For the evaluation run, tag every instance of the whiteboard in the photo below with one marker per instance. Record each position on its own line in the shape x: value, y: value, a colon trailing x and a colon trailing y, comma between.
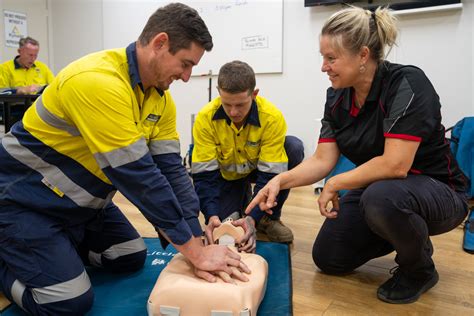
x: 246, y: 30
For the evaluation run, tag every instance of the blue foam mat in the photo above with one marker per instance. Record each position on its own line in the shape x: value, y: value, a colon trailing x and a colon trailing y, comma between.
x: 127, y: 294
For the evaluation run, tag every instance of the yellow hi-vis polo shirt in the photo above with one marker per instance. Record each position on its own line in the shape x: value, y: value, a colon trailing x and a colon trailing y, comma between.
x: 258, y: 144
x: 13, y: 75
x: 94, y: 131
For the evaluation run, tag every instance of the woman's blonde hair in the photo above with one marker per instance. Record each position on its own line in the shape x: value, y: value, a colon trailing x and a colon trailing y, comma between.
x: 354, y: 28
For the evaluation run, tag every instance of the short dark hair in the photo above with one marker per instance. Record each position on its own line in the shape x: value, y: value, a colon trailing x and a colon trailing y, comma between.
x: 182, y: 24
x: 235, y: 77
x: 27, y: 40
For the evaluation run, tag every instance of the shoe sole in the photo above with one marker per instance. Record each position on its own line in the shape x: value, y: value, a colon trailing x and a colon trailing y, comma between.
x: 414, y: 298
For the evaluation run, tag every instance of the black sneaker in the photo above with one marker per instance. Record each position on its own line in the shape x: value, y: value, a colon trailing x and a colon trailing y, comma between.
x: 400, y: 289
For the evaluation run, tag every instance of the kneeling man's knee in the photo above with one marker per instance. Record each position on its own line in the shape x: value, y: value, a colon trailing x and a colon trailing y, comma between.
x: 294, y: 150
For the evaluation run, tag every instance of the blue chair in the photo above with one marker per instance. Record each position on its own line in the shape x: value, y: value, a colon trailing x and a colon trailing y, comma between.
x: 343, y: 165
x: 462, y: 146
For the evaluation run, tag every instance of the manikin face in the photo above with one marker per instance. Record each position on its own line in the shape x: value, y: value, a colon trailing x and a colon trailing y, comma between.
x: 237, y: 105
x: 166, y: 68
x: 28, y: 54
x: 341, y: 66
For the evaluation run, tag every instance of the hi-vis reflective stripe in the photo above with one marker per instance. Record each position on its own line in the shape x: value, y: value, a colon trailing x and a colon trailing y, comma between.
x: 62, y: 291
x: 160, y: 147
x: 53, y: 120
x: 118, y: 250
x: 125, y: 248
x: 53, y: 174
x: 122, y: 156
x: 205, y: 166
x: 95, y: 259
x: 272, y: 167
x: 241, y: 168
x: 53, y: 293
x: 17, y: 291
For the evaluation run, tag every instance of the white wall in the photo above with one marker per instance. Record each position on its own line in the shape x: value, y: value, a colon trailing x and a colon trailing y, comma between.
x: 446, y: 56
x: 77, y: 29
x: 441, y: 43
x: 37, y: 18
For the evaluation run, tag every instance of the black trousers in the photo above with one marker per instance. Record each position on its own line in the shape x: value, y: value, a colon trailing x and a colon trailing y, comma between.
x: 388, y: 215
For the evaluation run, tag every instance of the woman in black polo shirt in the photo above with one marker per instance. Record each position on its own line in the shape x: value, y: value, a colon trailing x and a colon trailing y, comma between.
x: 406, y: 185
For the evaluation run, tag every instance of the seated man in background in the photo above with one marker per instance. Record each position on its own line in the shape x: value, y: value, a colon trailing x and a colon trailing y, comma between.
x: 24, y: 73
x: 239, y: 138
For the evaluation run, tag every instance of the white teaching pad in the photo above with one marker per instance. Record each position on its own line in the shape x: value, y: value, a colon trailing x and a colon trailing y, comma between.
x: 247, y: 30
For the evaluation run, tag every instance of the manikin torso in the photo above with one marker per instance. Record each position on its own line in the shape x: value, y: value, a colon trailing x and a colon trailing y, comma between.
x: 179, y: 292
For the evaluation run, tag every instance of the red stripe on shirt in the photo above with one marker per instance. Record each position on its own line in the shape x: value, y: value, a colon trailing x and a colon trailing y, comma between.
x: 450, y: 172
x: 326, y: 140
x: 403, y: 136
x: 354, y: 109
x: 381, y: 106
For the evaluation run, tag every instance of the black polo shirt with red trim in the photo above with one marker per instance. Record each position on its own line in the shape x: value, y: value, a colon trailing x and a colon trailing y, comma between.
x: 402, y: 103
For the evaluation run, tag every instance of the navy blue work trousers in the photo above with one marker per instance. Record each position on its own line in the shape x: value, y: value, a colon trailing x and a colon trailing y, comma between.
x: 42, y: 260
x: 388, y: 215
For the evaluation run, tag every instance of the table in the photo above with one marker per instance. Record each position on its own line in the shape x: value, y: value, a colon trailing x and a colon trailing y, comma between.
x: 19, y: 100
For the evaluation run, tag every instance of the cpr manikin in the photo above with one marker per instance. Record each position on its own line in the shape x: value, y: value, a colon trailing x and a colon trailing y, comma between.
x: 179, y: 292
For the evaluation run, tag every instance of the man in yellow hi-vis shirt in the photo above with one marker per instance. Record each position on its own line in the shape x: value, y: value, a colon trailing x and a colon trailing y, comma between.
x: 240, y: 138
x: 107, y: 122
x: 24, y: 73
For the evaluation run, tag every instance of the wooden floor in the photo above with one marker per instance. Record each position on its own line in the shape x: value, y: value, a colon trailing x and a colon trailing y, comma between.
x: 315, y: 293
